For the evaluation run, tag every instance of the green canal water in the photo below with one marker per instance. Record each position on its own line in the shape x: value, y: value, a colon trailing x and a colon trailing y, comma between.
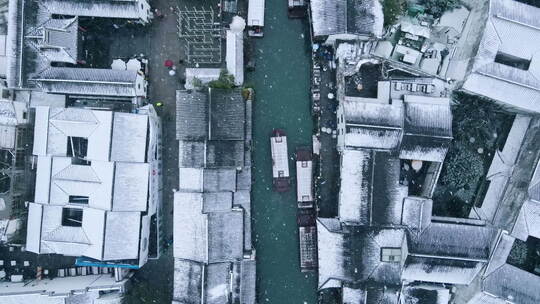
x: 281, y: 80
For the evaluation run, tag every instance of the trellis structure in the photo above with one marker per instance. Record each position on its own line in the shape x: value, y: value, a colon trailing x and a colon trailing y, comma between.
x: 202, y: 34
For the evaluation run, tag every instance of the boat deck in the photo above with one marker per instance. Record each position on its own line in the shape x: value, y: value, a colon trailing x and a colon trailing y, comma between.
x: 307, y: 235
x: 280, y: 160
x: 308, y: 248
x: 304, y: 175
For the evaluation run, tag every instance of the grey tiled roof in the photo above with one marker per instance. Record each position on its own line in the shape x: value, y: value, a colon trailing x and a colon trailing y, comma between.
x: 191, y: 154
x: 353, y: 254
x: 455, y: 240
x: 428, y: 119
x: 248, y: 279
x: 514, y: 284
x: 225, y: 154
x: 370, y: 193
x: 225, y: 236
x: 217, y: 201
x: 56, y: 39
x: 388, y: 194
x: 227, y: 114
x: 219, y: 180
x: 87, y: 81
x: 217, y: 280
x: 187, y: 286
x: 191, y: 115
x: 215, y: 114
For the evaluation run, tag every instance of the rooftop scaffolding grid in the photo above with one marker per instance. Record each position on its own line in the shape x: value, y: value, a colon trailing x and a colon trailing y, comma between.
x: 202, y: 34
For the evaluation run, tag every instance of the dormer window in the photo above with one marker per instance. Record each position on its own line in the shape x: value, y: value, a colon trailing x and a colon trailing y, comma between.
x: 72, y: 217
x: 77, y: 147
x: 392, y: 255
x: 78, y: 199
x: 512, y: 61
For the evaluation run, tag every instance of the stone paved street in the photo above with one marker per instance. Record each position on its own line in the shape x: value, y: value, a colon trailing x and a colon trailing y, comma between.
x: 159, y: 41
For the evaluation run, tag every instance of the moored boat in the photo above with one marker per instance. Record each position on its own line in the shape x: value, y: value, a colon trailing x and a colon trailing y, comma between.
x: 255, y: 18
x: 280, y: 160
x: 296, y: 8
x: 304, y: 177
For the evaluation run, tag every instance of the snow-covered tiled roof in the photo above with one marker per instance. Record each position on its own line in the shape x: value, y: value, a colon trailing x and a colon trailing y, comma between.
x: 353, y: 253
x: 187, y: 283
x: 370, y: 192
x: 130, y: 191
x: 372, y: 113
x: 190, y: 227
x: 110, y: 194
x: 130, y: 136
x: 372, y: 125
x: 89, y: 81
x: 417, y: 213
x: 332, y: 254
x: 56, y: 39
x: 440, y: 270
x: 216, y: 236
x: 372, y: 137
x: 94, y: 181
x: 122, y: 235
x: 85, y: 240
x: 355, y: 186
x: 509, y: 24
x: 217, y: 282
x: 126, y: 9
x: 513, y: 284
x: 528, y: 221
x: 428, y: 128
x: 347, y: 17
x: 54, y: 125
x: 455, y: 240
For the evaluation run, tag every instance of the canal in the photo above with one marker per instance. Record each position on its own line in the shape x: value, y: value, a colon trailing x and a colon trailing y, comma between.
x: 281, y: 80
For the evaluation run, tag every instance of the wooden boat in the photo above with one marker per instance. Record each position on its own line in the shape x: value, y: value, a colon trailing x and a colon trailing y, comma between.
x: 255, y: 18
x: 304, y: 177
x: 307, y: 237
x: 306, y: 215
x: 280, y: 160
x: 297, y: 8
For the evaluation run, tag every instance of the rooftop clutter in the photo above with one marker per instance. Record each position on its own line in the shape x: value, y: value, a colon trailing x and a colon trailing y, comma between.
x: 384, y: 240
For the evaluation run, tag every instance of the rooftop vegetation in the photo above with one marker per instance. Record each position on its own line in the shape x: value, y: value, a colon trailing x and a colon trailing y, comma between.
x: 480, y: 128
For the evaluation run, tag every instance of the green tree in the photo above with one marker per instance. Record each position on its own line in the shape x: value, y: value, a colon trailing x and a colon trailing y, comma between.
x: 438, y: 7
x: 392, y: 9
x: 225, y: 81
x: 463, y: 168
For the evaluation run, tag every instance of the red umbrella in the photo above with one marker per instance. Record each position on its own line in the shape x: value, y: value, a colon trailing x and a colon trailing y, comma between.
x: 168, y: 63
